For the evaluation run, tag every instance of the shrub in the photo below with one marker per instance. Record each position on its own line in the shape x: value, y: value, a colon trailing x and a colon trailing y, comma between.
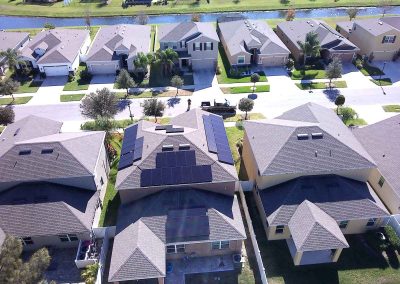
x: 392, y: 237
x: 71, y: 77
x: 85, y: 75
x: 374, y: 242
x: 218, y: 71
x: 348, y: 113
x: 239, y: 125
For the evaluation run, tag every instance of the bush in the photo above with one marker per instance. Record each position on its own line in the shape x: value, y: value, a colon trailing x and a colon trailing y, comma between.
x: 348, y: 113
x: 239, y: 125
x: 85, y: 75
x: 392, y: 237
x: 71, y: 77
x: 374, y: 241
x: 218, y: 71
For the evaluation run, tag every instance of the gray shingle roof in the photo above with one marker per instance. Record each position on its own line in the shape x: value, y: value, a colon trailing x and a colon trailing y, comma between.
x: 312, y: 229
x: 376, y: 26
x: 382, y: 141
x: 337, y: 150
x: 241, y: 35
x: 339, y: 197
x: 194, y: 134
x: 73, y: 155
x: 63, y: 45
x: 143, y: 223
x: 185, y: 30
x: 328, y: 37
x: 11, y: 40
x: 132, y: 38
x: 44, y: 209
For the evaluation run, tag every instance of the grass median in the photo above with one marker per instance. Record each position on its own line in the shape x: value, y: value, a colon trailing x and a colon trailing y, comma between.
x: 71, y: 98
x: 321, y: 85
x: 246, y: 89
x: 15, y: 101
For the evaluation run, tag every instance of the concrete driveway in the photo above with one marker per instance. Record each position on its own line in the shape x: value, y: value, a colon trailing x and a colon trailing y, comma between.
x: 279, y: 80
x: 102, y: 81
x: 354, y: 78
x: 392, y: 71
x: 204, y: 79
x: 50, y: 91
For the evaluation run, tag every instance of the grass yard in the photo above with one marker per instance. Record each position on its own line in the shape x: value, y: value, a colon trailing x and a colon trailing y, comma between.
x: 29, y: 86
x: 321, y: 85
x: 246, y: 89
x: 240, y: 117
x: 356, y: 265
x: 114, y: 8
x: 224, y: 65
x: 111, y: 200
x: 350, y: 117
x: 154, y: 94
x: 78, y: 83
x: 235, y: 134
x: 382, y: 82
x: 157, y: 79
x: 366, y: 69
x: 2, y: 128
x: 71, y: 98
x: 391, y: 108
x: 16, y: 101
x: 308, y: 74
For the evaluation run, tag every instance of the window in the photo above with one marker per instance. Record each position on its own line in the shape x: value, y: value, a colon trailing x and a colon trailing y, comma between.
x: 197, y: 46
x: 27, y: 241
x: 381, y: 181
x: 371, y: 222
x: 176, y: 249
x: 240, y: 60
x: 208, y: 46
x: 174, y: 46
x: 220, y: 245
x: 68, y: 238
x: 389, y: 39
x: 279, y: 229
x: 343, y: 224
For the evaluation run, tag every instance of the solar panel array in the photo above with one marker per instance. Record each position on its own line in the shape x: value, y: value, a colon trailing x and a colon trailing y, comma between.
x: 217, y: 140
x: 132, y: 148
x: 187, y: 223
x: 176, y: 167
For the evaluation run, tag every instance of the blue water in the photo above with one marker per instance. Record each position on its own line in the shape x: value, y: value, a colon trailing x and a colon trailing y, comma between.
x: 16, y: 22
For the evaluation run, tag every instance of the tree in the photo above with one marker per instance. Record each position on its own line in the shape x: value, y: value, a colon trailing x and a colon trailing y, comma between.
x: 352, y: 12
x: 254, y: 78
x: 311, y: 46
x: 177, y: 82
x: 49, y: 26
x: 13, y: 58
x: 339, y: 101
x: 103, y: 103
x: 7, y: 115
x: 246, y: 105
x: 14, y: 270
x: 8, y: 87
x: 153, y: 107
x: 166, y: 58
x: 141, y: 62
x: 142, y: 19
x: 89, y: 274
x: 290, y: 14
x: 290, y: 64
x: 125, y: 81
x: 195, y: 17
x: 88, y: 20
x: 334, y: 70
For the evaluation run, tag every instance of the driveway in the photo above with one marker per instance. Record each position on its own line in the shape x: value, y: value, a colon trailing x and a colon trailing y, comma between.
x: 279, y: 80
x: 392, y: 71
x: 102, y: 81
x: 204, y: 79
x: 50, y: 91
x: 354, y: 78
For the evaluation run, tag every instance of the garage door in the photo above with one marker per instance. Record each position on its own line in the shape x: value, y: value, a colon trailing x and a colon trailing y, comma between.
x: 274, y: 61
x: 102, y: 68
x: 204, y: 64
x: 345, y: 57
x: 56, y: 70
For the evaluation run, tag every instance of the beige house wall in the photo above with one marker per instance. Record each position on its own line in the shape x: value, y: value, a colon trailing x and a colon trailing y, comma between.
x: 294, y: 50
x: 386, y: 193
x: 41, y: 241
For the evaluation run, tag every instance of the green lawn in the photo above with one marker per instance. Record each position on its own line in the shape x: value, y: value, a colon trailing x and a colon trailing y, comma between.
x: 308, y: 74
x: 235, y: 134
x: 2, y: 128
x: 321, y: 85
x: 366, y: 69
x: 246, y: 89
x: 240, y: 117
x: 111, y: 200
x: 157, y: 79
x: 71, y: 98
x: 96, y: 8
x: 391, y: 108
x: 154, y: 94
x: 78, y: 84
x: 29, y: 86
x: 224, y: 66
x: 356, y: 265
x: 350, y: 117
x: 17, y: 101
x: 382, y: 82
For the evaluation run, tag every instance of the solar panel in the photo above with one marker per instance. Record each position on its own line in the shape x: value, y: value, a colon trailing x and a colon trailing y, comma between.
x: 187, y: 175
x: 163, y: 127
x: 221, y: 140
x: 205, y: 173
x: 138, y: 151
x: 190, y: 157
x: 209, y: 134
x: 128, y: 144
x: 171, y: 159
x: 176, y: 175
x: 167, y: 176
x: 145, y: 178
x: 181, y: 158
x: 225, y: 156
x: 125, y: 161
x: 156, y: 177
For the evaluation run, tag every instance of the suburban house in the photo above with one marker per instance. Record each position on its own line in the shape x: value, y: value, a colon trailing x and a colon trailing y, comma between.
x: 179, y: 214
x: 116, y: 47
x: 379, y: 39
x: 57, y: 52
x: 310, y: 182
x: 11, y: 40
x: 196, y: 43
x: 332, y: 43
x: 251, y: 43
x: 51, y: 182
x: 381, y: 140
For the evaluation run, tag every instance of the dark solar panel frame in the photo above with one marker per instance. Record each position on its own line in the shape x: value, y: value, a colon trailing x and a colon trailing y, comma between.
x: 212, y: 147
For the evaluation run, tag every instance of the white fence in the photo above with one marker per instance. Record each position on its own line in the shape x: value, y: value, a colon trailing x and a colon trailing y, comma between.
x: 253, y: 238
x: 107, y: 233
x: 394, y: 223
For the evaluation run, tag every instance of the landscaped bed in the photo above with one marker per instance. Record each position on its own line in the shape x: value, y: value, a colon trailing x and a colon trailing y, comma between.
x: 382, y: 82
x: 15, y: 101
x: 321, y: 85
x: 246, y: 89
x: 391, y: 108
x: 71, y: 98
x: 80, y: 81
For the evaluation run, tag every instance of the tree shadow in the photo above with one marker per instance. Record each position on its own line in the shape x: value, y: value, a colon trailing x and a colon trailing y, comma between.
x: 123, y: 104
x: 171, y: 102
x: 331, y: 94
x: 252, y: 96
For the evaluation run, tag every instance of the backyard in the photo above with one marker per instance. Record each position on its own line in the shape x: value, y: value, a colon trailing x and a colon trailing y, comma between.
x: 357, y: 264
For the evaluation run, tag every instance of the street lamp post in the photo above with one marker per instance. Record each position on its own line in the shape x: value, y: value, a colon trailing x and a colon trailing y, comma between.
x: 383, y: 68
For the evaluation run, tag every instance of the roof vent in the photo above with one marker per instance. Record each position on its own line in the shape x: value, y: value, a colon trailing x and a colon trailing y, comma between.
x: 308, y: 22
x: 380, y: 22
x: 316, y: 153
x: 184, y: 146
x: 168, y: 147
x: 47, y: 151
x: 24, y: 152
x: 317, y: 135
x: 302, y: 136
x: 17, y: 131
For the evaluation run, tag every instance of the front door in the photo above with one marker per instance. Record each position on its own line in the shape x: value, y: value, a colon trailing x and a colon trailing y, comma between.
x: 185, y: 63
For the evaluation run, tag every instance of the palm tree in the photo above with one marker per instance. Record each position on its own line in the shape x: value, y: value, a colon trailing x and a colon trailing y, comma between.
x: 167, y: 59
x: 141, y: 62
x: 13, y: 57
x: 311, y: 46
